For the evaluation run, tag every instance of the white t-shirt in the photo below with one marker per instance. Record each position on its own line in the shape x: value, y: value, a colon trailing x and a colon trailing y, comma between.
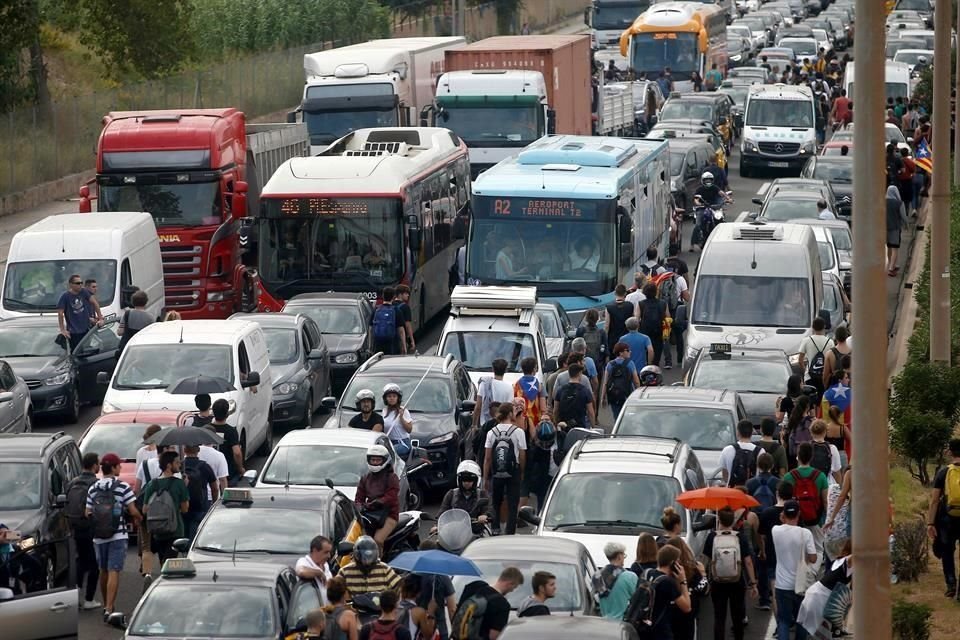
x: 729, y: 453
x: 492, y: 390
x: 635, y: 297
x: 518, y: 437
x: 306, y: 562
x: 812, y: 345
x: 144, y: 453
x: 681, y: 284
x: 393, y: 427
x: 217, y: 462
x: 791, y: 543
x: 153, y: 468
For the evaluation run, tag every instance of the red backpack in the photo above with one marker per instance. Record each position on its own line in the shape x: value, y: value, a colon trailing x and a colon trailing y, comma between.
x: 805, y: 492
x: 380, y: 630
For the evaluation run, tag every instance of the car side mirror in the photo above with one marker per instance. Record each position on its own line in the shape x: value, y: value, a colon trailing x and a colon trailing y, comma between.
x: 329, y: 402
x: 551, y: 122
x: 253, y: 380
x: 317, y: 354
x: 181, y: 545
x: 707, y: 522
x: 60, y: 501
x: 467, y: 406
x: 117, y: 621
x: 250, y: 475
x: 528, y: 515
x: 291, y: 117
x: 6, y: 396
x: 345, y: 548
x: 6, y: 594
x: 758, y: 201
x: 550, y: 365
x: 103, y: 378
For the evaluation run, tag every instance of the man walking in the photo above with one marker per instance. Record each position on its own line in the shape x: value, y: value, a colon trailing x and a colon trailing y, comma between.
x: 230, y: 447
x: 813, y: 350
x: 793, y: 544
x: 810, y: 487
x: 943, y: 517
x: 388, y: 334
x: 74, y: 311
x: 618, y: 583
x: 544, y: 585
x: 316, y: 565
x: 653, y: 314
x: 616, y: 316
x: 76, y: 511
x: 732, y: 574
x: 402, y: 302
x: 491, y: 391
x: 738, y: 461
x: 505, y: 458
x: 204, y: 414
x: 620, y: 377
x: 110, y: 502
x: 573, y: 403
x: 203, y: 487
x: 641, y: 346
x: 496, y: 607
x: 165, y: 500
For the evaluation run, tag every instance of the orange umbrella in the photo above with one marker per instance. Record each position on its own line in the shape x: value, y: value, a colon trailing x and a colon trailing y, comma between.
x: 716, y: 498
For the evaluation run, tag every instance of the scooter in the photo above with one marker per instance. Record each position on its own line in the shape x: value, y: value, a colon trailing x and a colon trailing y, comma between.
x: 418, y: 465
x: 456, y: 529
x: 404, y: 537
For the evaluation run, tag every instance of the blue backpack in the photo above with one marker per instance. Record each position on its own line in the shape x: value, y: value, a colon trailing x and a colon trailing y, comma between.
x: 764, y: 493
x: 385, y: 322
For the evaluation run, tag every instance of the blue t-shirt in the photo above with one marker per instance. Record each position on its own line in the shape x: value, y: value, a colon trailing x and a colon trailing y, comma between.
x: 614, y: 604
x: 76, y: 311
x: 590, y: 367
x: 638, y: 344
x: 632, y: 368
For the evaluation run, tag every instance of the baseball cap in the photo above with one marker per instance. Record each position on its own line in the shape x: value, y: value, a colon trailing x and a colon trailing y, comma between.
x: 110, y: 459
x: 791, y: 508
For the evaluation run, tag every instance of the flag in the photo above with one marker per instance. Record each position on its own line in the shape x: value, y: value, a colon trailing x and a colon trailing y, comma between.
x: 923, y: 158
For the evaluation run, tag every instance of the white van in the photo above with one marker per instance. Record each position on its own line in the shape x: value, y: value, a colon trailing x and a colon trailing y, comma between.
x: 779, y: 128
x: 166, y: 352
x: 896, y: 76
x: 758, y: 285
x: 119, y: 250
x: 487, y: 323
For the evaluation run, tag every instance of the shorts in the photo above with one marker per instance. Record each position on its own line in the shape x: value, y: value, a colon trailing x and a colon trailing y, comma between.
x: 110, y: 555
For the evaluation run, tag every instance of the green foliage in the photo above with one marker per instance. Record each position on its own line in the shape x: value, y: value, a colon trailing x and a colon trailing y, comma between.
x: 147, y: 37
x: 19, y: 28
x: 412, y: 9
x: 910, y: 554
x: 911, y: 621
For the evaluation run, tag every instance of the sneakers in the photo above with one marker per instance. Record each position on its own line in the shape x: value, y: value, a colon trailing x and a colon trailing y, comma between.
x: 89, y: 605
x: 106, y: 615
x: 763, y: 607
x: 951, y: 591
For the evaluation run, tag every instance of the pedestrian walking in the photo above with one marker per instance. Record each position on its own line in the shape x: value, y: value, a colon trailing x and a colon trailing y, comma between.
x: 483, y: 610
x: 837, y: 528
x: 943, y: 517
x: 834, y: 356
x: 684, y: 624
x: 620, y: 377
x: 594, y: 337
x: 616, y: 314
x: 768, y: 519
x: 82, y: 528
x: 504, y: 460
x: 826, y: 456
x: 388, y: 335
x: 905, y: 177
x: 386, y: 626
x: 614, y: 584
x: 813, y: 350
x: 896, y: 223
x: 795, y: 549
x: 647, y: 548
x: 436, y: 594
x: 731, y: 574
x: 738, y: 461
x: 653, y: 315
x: 529, y: 390
x: 573, y: 402
x: 135, y: 319
x: 165, y: 499
x: 342, y: 621
x: 544, y: 585
x: 402, y: 302
x: 810, y: 487
x: 204, y: 414
x: 421, y: 624
x: 826, y: 604
x: 203, y: 486
x: 230, y: 447
x: 579, y: 347
x: 769, y: 442
x: 641, y: 346
x: 491, y: 390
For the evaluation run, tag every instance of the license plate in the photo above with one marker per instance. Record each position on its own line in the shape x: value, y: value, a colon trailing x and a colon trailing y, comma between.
x: 779, y: 165
x: 720, y: 347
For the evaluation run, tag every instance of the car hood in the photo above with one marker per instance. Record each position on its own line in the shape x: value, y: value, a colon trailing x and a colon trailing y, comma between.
x: 283, y: 372
x: 758, y: 406
x: 338, y: 343
x: 280, y: 559
x: 425, y: 425
x: 26, y: 521
x: 35, y: 367
x: 786, y: 338
x: 594, y: 542
x: 554, y: 346
x: 158, y: 399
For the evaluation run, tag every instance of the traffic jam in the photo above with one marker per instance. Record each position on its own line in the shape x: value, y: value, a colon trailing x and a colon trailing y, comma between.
x: 489, y: 340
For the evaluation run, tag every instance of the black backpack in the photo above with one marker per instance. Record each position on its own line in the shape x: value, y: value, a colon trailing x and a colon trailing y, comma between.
x: 504, y: 456
x: 569, y: 406
x: 596, y: 342
x: 822, y: 457
x: 651, y: 324
x: 816, y: 363
x: 76, y: 508
x: 639, y: 611
x: 744, y: 465
x: 196, y: 486
x: 468, y: 619
x: 104, y: 516
x: 127, y: 332
x: 620, y: 383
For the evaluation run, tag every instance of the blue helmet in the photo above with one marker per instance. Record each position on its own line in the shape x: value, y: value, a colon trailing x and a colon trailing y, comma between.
x: 546, y: 434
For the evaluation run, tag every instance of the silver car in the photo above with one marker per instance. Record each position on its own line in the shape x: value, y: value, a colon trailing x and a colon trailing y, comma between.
x: 16, y: 411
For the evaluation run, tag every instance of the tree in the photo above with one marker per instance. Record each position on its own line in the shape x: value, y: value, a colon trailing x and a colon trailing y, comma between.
x: 23, y: 76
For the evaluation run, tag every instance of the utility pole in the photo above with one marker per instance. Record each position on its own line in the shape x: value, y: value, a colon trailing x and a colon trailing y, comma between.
x: 956, y: 132
x: 940, y: 188
x: 460, y: 18
x: 871, y: 580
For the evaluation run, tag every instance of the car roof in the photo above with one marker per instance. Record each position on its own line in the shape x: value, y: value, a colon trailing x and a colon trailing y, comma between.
x: 834, y: 159
x: 700, y: 96
x: 624, y: 454
x: 689, y: 396
x: 280, y: 497
x: 26, y: 447
x: 335, y: 296
x: 525, y: 547
x: 246, y: 574
x: 344, y: 437
x: 214, y: 332
x: 271, y: 320
x: 408, y: 365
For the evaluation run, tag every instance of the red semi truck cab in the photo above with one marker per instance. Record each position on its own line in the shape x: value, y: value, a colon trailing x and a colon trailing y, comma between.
x: 198, y: 173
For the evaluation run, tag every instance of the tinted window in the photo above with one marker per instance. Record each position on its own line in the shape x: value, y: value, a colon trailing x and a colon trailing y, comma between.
x: 699, y: 428
x: 585, y: 500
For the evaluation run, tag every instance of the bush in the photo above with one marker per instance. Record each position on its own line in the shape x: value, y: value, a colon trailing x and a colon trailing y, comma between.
x: 910, y: 553
x: 911, y: 621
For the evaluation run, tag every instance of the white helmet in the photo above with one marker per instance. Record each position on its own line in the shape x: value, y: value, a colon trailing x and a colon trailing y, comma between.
x: 365, y: 394
x: 378, y: 451
x: 922, y: 59
x: 706, y: 178
x: 469, y: 468
x: 392, y: 388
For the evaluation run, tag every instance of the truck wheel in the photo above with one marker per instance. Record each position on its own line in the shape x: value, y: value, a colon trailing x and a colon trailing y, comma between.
x: 267, y: 445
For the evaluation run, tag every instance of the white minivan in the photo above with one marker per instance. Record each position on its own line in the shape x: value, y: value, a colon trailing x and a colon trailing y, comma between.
x: 896, y: 77
x: 757, y: 285
x: 779, y: 128
x: 119, y: 250
x: 166, y: 352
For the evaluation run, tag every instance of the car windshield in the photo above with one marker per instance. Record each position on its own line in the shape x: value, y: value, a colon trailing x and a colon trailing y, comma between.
x: 779, y: 113
x: 893, y: 46
x: 215, y: 611
x: 752, y: 301
x: 33, y: 340
x: 37, y: 286
x: 122, y: 439
x: 687, y: 110
x: 313, y: 464
x: 700, y: 428
x: 342, y: 320
x: 430, y: 394
x: 800, y: 46
x: 548, y: 322
x: 745, y: 376
x: 912, y: 57
x: 19, y: 485
x: 282, y: 345
x: 842, y: 239
x: 827, y: 254
x: 187, y: 205
x: 478, y: 349
x: 780, y: 209
x: 579, y: 499
x: 269, y: 530
x: 834, y: 172
x: 569, y: 584
x: 159, y: 366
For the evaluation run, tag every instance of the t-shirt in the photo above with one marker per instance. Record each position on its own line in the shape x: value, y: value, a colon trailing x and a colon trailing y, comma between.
x: 614, y: 604
x: 666, y: 591
x: 217, y: 462
x: 439, y: 588
x: 306, y: 562
x: 744, y: 549
x: 823, y: 483
x: 619, y: 314
x: 564, y: 379
x: 403, y: 310
x: 497, y: 613
x: 729, y: 453
x: 811, y: 345
x: 532, y: 607
x: 791, y: 543
x: 145, y: 453
x: 135, y: 319
x: 202, y: 472
x: 76, y: 311
x: 153, y: 471
x: 779, y: 453
x: 518, y: 437
x: 122, y: 495
x: 358, y: 422
x: 492, y: 390
x: 638, y: 344
x: 393, y: 427
x: 178, y: 491
x: 584, y: 397
x: 400, y: 633
x: 230, y: 439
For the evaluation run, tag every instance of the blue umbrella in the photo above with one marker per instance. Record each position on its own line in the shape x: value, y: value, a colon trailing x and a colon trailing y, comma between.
x: 435, y: 562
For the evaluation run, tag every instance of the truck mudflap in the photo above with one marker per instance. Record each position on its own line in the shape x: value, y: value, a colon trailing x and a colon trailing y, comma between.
x: 246, y: 282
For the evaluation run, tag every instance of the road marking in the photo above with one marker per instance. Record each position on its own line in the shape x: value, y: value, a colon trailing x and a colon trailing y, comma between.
x: 763, y: 189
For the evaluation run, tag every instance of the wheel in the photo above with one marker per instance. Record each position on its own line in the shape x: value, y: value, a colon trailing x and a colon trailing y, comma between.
x: 28, y: 423
x: 267, y: 445
x: 415, y: 497
x: 308, y: 411
x: 72, y: 414
x: 744, y: 170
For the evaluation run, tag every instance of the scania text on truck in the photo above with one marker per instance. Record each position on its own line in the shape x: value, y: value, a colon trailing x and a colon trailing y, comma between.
x: 198, y: 173
x: 380, y: 83
x: 608, y: 18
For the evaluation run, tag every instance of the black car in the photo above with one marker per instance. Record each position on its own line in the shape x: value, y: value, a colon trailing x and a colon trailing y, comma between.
x: 788, y: 205
x: 838, y: 171
x: 271, y: 524
x: 59, y: 381
x: 35, y: 469
x: 344, y: 321
x: 300, y: 365
x: 689, y: 158
x: 439, y: 395
x: 706, y: 106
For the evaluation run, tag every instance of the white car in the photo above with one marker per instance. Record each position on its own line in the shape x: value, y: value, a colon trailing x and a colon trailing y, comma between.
x: 912, y: 56
x: 823, y: 40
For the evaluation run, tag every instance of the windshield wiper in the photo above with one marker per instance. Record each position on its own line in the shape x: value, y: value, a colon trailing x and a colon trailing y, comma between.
x: 267, y: 551
x: 23, y: 304
x: 213, y: 549
x: 606, y: 523
x: 140, y: 386
x: 25, y: 355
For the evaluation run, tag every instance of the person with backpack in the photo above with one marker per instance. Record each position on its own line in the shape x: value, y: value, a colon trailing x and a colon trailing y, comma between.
x: 82, y: 528
x: 834, y: 357
x: 135, y: 319
x: 616, y: 314
x: 810, y: 488
x: 204, y: 414
x: 594, y: 338
x: 647, y: 548
x: 342, y: 621
x: 614, y: 584
x: 544, y: 586
x: 579, y: 347
x: 653, y: 314
x: 165, y: 499
x: 767, y: 442
x: 386, y: 627
x: 201, y: 483
x: 797, y: 430
x: 530, y: 391
x: 483, y: 610
x: 491, y: 390
x: 794, y: 546
x: 573, y: 403
x: 738, y: 461
x: 783, y: 406
x: 813, y: 350
x: 763, y: 488
x: 620, y: 377
x: 421, y: 624
x: 563, y: 379
x: 230, y: 447
x: 110, y: 502
x: 826, y: 456
x: 505, y: 458
x: 659, y: 593
x: 731, y: 574
x: 769, y: 518
x: 388, y: 334
x: 943, y: 516
x: 542, y: 456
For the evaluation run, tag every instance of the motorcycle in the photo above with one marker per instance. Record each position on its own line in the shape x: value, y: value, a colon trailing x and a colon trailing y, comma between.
x: 404, y: 537
x: 708, y: 216
x: 456, y: 529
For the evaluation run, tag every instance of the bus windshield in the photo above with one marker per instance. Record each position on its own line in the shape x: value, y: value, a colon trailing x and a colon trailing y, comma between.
x: 552, y: 242
x: 654, y: 51
x: 492, y: 126
x: 191, y: 204
x: 351, y: 241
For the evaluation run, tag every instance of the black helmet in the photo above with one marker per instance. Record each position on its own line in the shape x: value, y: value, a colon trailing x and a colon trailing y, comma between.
x: 366, y: 552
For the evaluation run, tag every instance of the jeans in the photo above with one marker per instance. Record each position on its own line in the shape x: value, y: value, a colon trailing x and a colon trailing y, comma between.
x: 657, y: 349
x: 508, y: 488
x: 111, y: 554
x: 763, y: 582
x: 948, y: 556
x: 87, y: 565
x: 615, y: 409
x: 788, y: 606
x: 726, y: 594
x: 917, y: 188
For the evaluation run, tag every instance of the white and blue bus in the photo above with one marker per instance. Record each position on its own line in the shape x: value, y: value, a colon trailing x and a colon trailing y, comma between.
x: 573, y: 215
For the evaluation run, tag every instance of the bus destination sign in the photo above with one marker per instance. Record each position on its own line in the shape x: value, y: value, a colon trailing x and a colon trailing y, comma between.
x: 554, y: 208
x: 323, y: 207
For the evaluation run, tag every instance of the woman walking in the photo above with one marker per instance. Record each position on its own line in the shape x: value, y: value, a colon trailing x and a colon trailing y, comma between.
x: 896, y: 223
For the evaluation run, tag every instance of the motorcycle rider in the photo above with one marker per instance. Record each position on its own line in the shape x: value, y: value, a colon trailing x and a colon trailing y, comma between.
x: 468, y: 495
x: 367, y: 419
x: 367, y: 574
x: 378, y: 494
x: 651, y: 376
x: 711, y: 194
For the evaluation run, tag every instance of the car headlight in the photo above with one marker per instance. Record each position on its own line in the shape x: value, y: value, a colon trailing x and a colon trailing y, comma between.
x: 286, y: 388
x: 447, y: 437
x: 692, y: 353
x: 106, y: 408
x: 748, y: 145
x: 809, y: 147
x: 346, y: 358
x: 27, y: 543
x: 58, y: 379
